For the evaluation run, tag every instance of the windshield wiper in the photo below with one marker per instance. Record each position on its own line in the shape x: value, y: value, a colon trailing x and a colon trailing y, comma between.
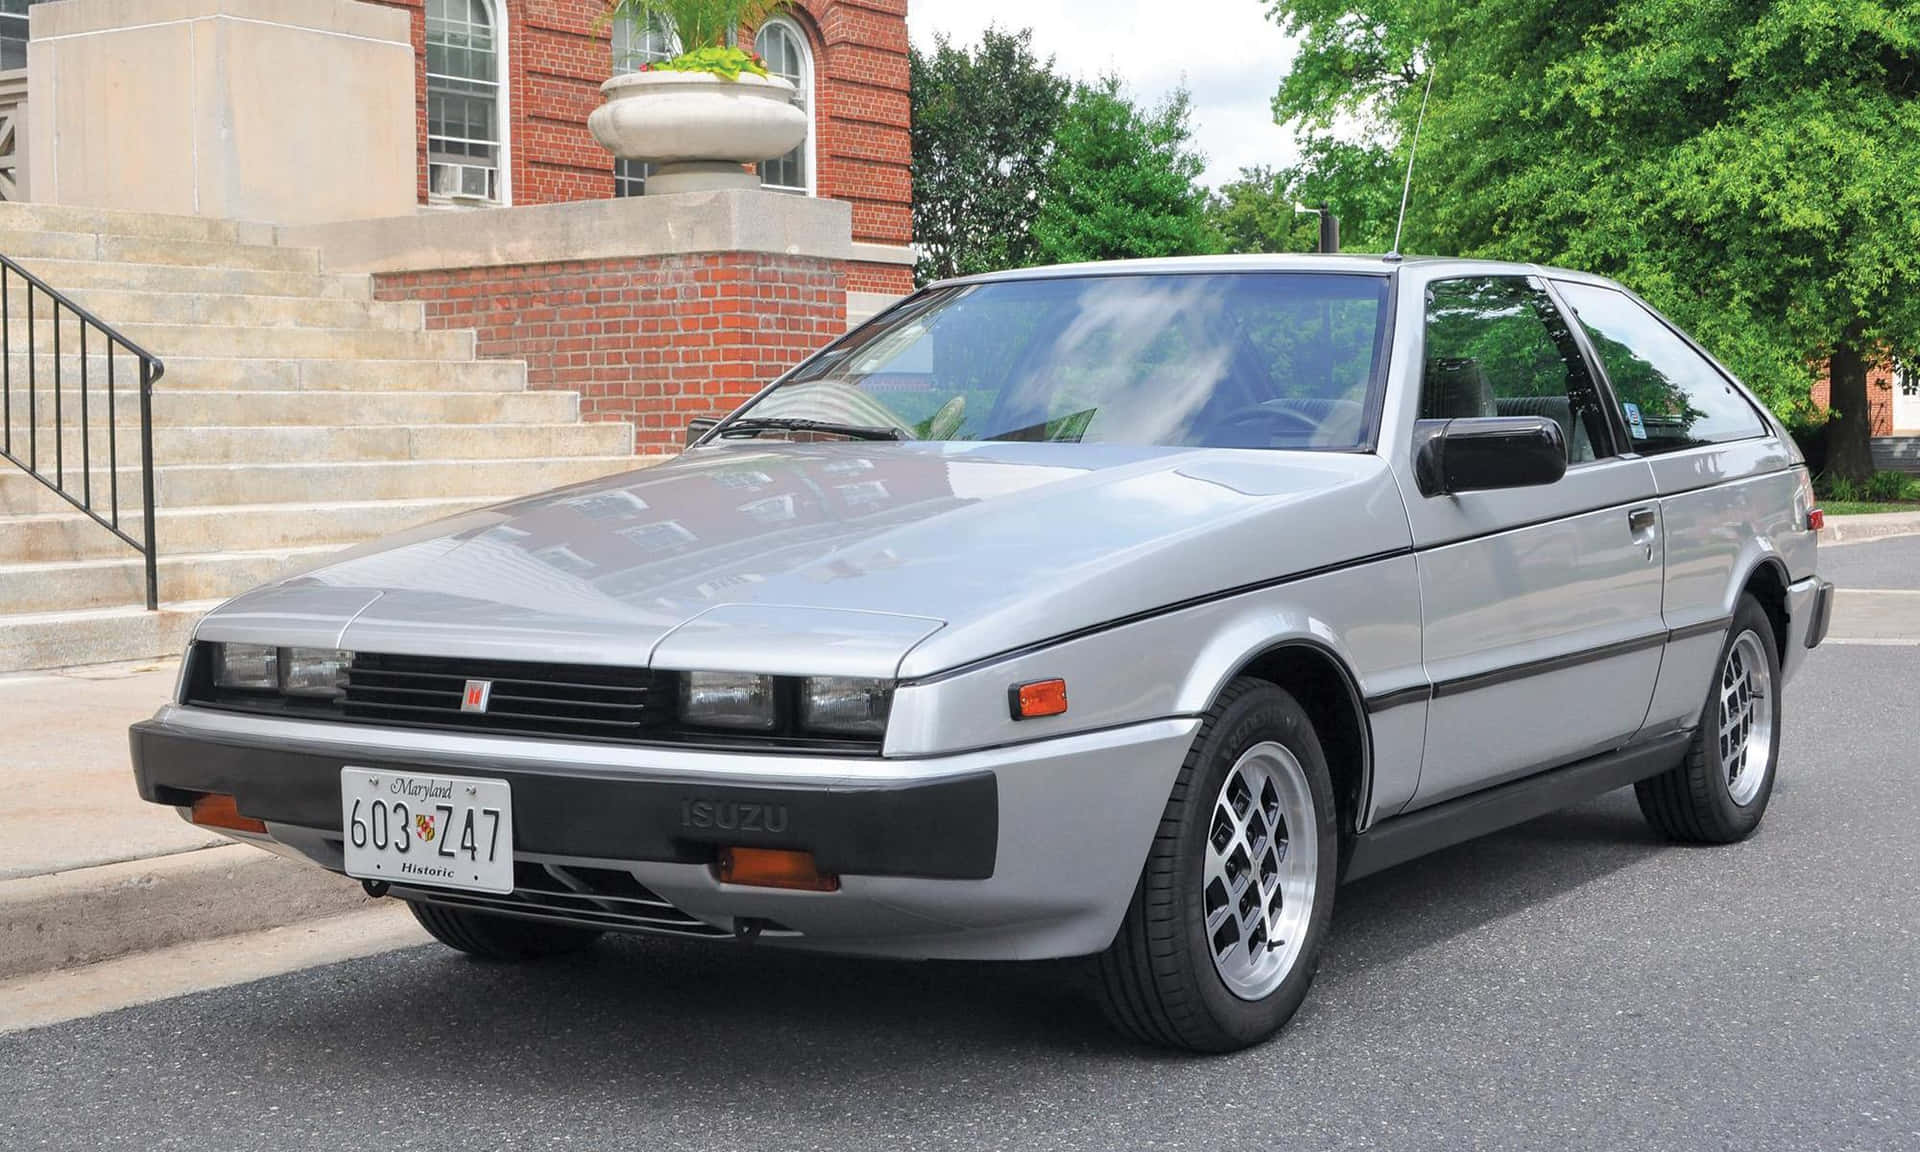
x: 787, y: 424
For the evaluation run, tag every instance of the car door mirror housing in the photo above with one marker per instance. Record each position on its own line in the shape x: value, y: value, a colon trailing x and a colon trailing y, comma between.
x: 1473, y: 454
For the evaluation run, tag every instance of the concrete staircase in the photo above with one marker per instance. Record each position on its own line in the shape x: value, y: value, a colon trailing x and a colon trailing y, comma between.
x: 297, y: 416
x: 1897, y: 454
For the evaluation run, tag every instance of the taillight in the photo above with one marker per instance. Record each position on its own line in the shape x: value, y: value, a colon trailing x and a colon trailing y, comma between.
x: 1816, y: 520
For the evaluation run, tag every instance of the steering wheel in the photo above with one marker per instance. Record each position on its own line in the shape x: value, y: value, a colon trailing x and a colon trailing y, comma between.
x: 1253, y: 414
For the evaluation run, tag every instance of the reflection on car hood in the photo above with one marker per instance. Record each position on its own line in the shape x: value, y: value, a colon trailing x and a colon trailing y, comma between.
x: 838, y: 557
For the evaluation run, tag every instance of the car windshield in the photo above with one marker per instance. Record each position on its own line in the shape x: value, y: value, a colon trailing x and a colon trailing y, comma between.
x: 1223, y: 360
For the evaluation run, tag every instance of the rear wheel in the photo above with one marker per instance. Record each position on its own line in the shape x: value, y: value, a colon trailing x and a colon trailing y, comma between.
x: 499, y: 937
x: 1227, y: 922
x: 1720, y: 792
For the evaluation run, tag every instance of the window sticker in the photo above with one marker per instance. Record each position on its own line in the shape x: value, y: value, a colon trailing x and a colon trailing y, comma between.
x: 1634, y: 424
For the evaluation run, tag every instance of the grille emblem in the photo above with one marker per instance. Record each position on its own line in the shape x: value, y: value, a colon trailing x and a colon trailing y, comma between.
x: 475, y: 697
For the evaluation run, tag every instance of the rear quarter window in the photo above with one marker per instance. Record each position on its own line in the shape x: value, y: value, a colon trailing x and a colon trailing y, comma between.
x: 1670, y: 396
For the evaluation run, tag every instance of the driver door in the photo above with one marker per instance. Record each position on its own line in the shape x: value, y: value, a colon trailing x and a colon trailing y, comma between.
x: 1542, y: 627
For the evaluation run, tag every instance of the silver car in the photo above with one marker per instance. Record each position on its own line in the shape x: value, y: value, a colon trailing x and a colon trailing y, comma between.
x: 1116, y: 610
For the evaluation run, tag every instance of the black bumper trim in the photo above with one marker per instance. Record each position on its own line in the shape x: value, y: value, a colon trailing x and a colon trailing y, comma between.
x: 948, y: 829
x: 1822, y: 613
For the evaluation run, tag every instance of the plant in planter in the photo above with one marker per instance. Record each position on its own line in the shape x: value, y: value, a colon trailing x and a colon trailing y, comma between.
x: 701, y: 117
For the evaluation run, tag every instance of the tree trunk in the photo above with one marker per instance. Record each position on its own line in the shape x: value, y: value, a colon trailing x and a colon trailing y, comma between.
x: 1849, y: 436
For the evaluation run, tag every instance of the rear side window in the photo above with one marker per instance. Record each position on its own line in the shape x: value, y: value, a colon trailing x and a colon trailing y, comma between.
x: 1671, y: 397
x: 1497, y: 346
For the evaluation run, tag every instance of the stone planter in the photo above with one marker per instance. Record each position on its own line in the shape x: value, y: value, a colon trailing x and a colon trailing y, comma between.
x: 697, y: 129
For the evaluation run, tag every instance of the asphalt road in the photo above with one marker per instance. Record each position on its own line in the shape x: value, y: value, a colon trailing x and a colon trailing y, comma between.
x: 1573, y: 983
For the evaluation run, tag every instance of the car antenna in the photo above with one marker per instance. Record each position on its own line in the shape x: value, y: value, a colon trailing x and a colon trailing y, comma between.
x: 1407, y: 187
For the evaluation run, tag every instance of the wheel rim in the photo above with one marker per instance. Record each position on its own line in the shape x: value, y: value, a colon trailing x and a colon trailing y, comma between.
x: 1261, y: 870
x: 1746, y: 718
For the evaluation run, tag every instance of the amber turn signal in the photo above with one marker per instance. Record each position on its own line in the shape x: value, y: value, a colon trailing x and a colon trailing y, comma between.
x: 214, y: 810
x: 1037, y: 698
x: 774, y: 868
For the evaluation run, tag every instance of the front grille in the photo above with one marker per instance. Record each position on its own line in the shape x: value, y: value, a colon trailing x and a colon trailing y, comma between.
x: 526, y: 698
x: 594, y: 703
x: 601, y: 897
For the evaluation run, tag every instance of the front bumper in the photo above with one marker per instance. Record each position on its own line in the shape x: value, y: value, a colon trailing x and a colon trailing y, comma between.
x: 1015, y: 853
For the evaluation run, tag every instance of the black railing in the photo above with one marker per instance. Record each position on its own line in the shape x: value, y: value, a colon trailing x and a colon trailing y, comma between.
x: 99, y: 344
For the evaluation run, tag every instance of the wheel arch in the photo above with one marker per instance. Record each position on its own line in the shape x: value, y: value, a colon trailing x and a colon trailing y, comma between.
x: 1316, y: 675
x: 1767, y: 581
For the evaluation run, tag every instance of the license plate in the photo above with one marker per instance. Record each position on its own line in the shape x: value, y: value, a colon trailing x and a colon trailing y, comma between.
x: 433, y: 831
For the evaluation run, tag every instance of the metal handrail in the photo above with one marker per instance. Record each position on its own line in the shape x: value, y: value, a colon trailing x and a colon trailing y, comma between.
x: 150, y: 369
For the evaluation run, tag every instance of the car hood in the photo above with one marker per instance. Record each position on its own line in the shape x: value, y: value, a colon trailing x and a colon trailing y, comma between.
x: 854, y: 559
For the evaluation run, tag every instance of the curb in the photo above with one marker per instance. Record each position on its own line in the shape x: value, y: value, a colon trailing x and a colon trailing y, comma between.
x: 91, y: 914
x: 1878, y: 526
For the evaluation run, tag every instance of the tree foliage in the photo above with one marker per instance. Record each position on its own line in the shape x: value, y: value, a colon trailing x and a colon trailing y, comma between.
x: 1123, y: 181
x: 1750, y: 166
x: 984, y: 120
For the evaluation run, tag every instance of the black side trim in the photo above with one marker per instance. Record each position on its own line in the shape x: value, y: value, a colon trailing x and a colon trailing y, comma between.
x: 1404, y: 838
x: 946, y: 829
x: 1418, y: 694
x: 1513, y: 672
x: 1704, y: 628
x: 1150, y: 613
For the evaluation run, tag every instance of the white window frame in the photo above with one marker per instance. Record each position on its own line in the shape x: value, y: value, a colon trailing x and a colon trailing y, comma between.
x: 627, y: 57
x: 503, y: 112
x: 809, y: 73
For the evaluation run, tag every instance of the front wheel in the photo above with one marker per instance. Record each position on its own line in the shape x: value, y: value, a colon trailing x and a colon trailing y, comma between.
x: 503, y: 938
x: 1225, y: 929
x: 1720, y: 791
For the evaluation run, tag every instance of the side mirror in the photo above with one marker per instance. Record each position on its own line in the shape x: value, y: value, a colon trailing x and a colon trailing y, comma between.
x: 1472, y: 454
x: 699, y: 426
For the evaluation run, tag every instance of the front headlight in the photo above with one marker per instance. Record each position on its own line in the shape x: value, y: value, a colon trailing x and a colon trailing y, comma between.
x: 845, y: 705
x: 728, y: 700
x: 314, y: 672
x: 251, y: 667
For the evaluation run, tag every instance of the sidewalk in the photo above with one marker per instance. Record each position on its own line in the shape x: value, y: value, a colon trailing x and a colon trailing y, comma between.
x: 88, y: 870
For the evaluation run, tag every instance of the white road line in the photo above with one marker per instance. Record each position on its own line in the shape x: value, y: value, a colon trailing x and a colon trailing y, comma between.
x: 45, y: 998
x: 1880, y: 591
x: 1870, y: 641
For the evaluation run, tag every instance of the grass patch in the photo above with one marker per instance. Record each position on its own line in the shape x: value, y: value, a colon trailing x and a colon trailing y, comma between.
x: 1867, y: 507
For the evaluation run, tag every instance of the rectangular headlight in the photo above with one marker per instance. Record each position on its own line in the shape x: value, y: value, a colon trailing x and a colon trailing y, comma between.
x: 254, y: 667
x: 845, y: 705
x: 315, y: 672
x: 728, y: 700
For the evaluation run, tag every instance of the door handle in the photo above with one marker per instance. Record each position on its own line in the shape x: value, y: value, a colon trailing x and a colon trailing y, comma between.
x: 1644, y: 523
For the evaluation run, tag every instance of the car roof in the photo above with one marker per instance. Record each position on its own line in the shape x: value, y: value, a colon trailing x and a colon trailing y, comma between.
x: 1349, y: 263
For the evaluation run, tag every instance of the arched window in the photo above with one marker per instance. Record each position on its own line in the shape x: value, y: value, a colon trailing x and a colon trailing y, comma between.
x: 784, y: 47
x: 466, y: 101
x: 632, y: 47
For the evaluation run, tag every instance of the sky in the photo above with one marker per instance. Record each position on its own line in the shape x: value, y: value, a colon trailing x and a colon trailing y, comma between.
x: 1227, y: 53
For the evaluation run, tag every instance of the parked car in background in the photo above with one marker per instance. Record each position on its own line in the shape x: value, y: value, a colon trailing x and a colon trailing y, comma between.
x: 1117, y: 610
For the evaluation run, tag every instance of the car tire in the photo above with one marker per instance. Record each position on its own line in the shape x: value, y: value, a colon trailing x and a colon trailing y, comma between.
x: 503, y: 938
x: 1718, y: 794
x: 1166, y: 979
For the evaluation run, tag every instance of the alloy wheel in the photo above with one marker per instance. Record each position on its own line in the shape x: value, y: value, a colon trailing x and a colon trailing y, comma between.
x: 1746, y: 717
x: 1260, y: 875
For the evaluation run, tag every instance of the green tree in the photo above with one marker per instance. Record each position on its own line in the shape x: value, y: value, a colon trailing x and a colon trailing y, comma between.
x: 1123, y: 181
x: 984, y: 120
x: 1751, y: 166
x: 1255, y: 212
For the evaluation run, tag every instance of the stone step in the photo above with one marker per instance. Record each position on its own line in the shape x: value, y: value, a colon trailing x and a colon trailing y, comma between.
x: 27, y: 245
x: 261, y: 408
x: 71, y: 536
x: 212, y: 340
x: 71, y: 275
x: 22, y: 216
x: 96, y: 636
x: 212, y: 485
x: 244, y: 374
x: 72, y: 585
x: 120, y: 309
x: 269, y: 445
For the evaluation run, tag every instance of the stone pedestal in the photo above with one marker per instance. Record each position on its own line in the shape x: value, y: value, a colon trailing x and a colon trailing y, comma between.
x: 283, y: 111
